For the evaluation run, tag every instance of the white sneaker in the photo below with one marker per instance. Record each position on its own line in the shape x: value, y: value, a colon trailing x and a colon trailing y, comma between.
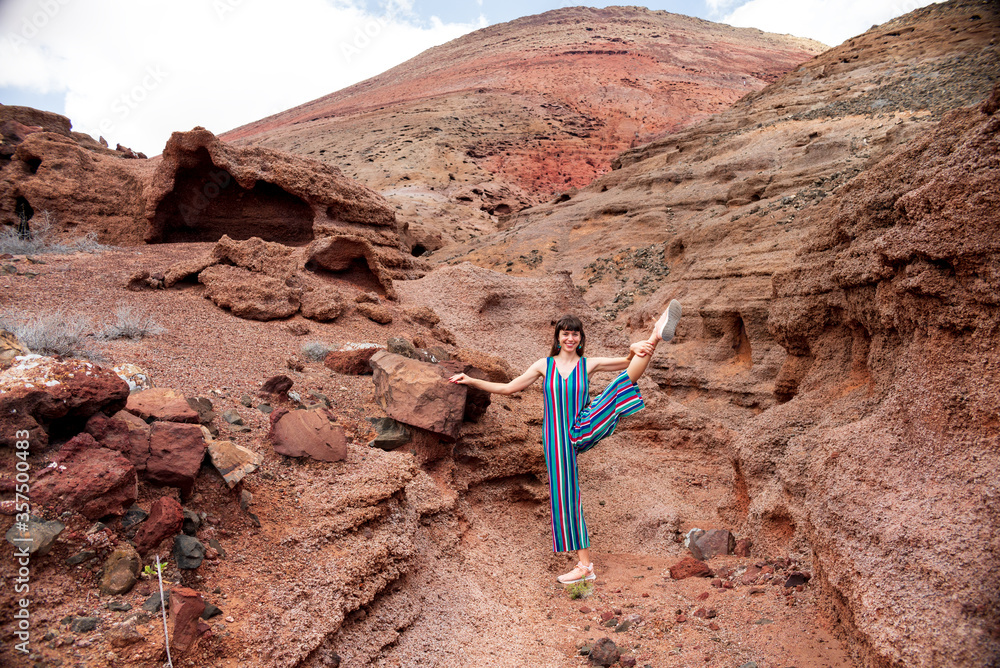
x: 667, y: 323
x: 579, y: 574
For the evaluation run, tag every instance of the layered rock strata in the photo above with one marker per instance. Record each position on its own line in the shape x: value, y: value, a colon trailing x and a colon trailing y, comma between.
x: 471, y: 131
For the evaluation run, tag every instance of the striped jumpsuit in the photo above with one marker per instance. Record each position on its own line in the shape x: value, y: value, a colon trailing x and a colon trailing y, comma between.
x: 572, y: 426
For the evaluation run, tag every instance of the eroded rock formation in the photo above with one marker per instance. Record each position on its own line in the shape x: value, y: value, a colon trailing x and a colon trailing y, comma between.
x: 266, y: 280
x: 200, y: 190
x: 204, y: 189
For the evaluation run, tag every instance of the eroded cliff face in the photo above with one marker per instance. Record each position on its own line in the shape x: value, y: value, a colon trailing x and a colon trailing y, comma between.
x: 885, y: 460
x: 832, y: 239
x: 474, y: 130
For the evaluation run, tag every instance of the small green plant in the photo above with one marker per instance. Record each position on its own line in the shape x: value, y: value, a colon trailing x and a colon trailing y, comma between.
x: 580, y: 589
x: 153, y: 570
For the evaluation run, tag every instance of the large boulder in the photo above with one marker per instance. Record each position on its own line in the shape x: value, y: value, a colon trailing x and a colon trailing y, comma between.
x: 204, y: 188
x: 87, y: 479
x: 418, y: 394
x: 69, y: 183
x: 308, y: 433
x: 37, y: 391
x: 176, y: 452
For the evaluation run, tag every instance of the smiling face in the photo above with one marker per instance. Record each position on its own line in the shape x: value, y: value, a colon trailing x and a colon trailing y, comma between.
x: 569, y: 339
x: 569, y: 336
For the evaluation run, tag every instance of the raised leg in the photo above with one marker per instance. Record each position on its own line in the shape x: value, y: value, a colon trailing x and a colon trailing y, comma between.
x: 663, y: 330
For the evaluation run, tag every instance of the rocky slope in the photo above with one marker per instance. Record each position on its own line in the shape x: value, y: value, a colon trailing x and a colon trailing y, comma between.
x: 511, y: 114
x: 830, y: 238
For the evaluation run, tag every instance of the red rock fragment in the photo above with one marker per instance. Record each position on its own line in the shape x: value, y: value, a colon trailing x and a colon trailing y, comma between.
x: 743, y: 546
x: 165, y: 519
x: 309, y: 433
x: 352, y: 359
x: 186, y: 606
x: 689, y: 567
x: 176, y: 452
x: 88, y: 479
x: 161, y: 403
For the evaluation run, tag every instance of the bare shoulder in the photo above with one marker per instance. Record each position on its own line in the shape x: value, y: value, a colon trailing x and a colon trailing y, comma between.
x: 538, y: 368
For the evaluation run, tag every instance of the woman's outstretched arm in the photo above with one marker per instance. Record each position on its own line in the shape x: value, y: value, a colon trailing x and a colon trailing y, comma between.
x: 637, y: 349
x: 534, y: 372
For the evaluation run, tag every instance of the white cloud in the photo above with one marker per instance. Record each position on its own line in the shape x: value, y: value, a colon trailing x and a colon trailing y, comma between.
x: 828, y: 21
x: 135, y: 70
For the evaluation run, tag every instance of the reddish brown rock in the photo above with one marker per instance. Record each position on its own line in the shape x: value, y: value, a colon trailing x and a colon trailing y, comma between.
x: 265, y: 280
x: 308, y: 433
x: 186, y: 606
x: 742, y: 548
x: 110, y: 433
x: 279, y: 385
x: 70, y: 182
x: 352, y: 358
x: 38, y: 391
x: 712, y: 543
x: 375, y: 312
x: 690, y: 567
x: 176, y: 452
x: 604, y: 653
x: 418, y: 394
x: 138, y: 439
x: 87, y: 479
x: 322, y: 303
x: 160, y: 403
x: 204, y: 189
x: 249, y: 295
x: 165, y: 519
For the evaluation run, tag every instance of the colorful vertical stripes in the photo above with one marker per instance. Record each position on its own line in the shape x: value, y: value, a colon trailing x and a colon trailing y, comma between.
x: 571, y: 426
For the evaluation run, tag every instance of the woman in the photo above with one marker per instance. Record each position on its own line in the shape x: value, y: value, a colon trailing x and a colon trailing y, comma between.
x: 572, y: 425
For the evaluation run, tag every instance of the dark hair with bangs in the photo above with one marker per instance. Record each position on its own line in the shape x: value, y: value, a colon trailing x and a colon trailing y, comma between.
x: 568, y: 323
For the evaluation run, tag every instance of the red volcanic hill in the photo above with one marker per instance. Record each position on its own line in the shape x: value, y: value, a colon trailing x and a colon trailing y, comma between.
x: 510, y: 114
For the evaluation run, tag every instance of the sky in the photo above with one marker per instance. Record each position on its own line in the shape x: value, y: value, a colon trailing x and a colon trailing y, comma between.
x: 133, y: 71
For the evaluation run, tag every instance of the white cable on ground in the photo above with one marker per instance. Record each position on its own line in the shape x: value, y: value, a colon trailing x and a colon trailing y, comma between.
x: 163, y: 607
